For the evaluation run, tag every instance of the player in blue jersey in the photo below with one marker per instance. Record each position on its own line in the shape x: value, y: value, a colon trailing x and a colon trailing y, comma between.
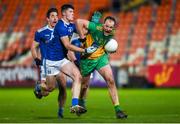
x: 57, y: 53
x: 41, y: 40
x: 76, y: 56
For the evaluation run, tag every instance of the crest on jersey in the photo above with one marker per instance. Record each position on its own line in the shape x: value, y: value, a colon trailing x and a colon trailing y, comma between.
x: 70, y: 29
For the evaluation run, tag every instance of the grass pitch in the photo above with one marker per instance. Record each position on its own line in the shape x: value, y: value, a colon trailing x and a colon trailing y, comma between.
x: 151, y: 105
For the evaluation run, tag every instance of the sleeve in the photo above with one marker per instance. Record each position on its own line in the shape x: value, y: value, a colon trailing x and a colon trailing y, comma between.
x: 92, y: 27
x: 37, y: 37
x: 61, y: 30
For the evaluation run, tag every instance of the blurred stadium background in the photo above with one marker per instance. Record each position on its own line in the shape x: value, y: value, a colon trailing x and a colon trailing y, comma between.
x: 148, y: 33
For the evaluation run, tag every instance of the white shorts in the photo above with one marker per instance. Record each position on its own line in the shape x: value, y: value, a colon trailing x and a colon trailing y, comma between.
x: 91, y: 76
x: 53, y: 67
x: 42, y: 73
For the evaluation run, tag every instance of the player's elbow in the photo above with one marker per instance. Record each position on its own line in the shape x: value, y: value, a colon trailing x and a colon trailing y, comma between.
x: 78, y: 21
x: 67, y: 46
x: 82, y: 22
x: 32, y: 48
x: 33, y: 52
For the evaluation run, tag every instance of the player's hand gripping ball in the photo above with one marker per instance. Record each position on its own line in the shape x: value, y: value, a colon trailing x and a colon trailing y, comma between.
x: 111, y: 46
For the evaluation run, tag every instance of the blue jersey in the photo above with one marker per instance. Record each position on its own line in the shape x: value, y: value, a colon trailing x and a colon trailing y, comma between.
x: 56, y: 50
x: 42, y: 36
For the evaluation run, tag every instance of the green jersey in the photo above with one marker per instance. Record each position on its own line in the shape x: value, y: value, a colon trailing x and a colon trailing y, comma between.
x: 96, y: 31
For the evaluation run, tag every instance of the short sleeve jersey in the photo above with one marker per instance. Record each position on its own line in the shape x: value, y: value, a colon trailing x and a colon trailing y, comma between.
x: 96, y: 35
x: 42, y: 36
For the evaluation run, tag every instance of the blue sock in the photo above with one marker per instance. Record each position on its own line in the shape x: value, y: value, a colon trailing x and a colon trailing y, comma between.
x: 75, y: 101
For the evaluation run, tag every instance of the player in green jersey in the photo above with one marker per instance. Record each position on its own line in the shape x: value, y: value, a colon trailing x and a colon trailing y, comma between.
x: 99, y: 35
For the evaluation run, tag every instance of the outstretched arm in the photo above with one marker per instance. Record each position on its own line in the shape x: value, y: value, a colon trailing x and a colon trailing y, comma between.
x: 81, y: 26
x: 69, y: 46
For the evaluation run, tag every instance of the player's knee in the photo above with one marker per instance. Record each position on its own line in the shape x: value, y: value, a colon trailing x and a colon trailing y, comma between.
x: 78, y: 76
x: 85, y: 86
x: 110, y: 82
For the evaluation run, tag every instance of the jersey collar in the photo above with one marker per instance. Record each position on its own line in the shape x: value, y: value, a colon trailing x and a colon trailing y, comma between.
x: 67, y: 23
x: 47, y: 26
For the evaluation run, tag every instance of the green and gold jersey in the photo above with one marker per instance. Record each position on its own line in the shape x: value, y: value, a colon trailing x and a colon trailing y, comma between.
x: 96, y: 35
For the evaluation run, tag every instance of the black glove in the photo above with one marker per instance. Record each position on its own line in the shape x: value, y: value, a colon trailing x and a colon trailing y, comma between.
x: 82, y: 40
x: 38, y: 62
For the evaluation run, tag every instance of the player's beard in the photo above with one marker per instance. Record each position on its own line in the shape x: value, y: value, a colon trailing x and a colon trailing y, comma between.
x: 107, y: 32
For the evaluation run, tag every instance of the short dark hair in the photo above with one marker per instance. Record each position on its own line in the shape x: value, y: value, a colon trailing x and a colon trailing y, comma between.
x: 66, y: 6
x: 110, y: 18
x: 51, y: 10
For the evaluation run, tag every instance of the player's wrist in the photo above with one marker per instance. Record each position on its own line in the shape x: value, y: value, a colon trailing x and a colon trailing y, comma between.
x: 38, y: 61
x: 85, y: 50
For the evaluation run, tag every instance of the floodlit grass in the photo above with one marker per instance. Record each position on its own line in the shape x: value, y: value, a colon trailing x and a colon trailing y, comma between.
x: 150, y: 105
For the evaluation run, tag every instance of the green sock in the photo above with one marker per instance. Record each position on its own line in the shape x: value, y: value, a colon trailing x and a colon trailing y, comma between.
x: 117, y: 108
x: 82, y: 102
